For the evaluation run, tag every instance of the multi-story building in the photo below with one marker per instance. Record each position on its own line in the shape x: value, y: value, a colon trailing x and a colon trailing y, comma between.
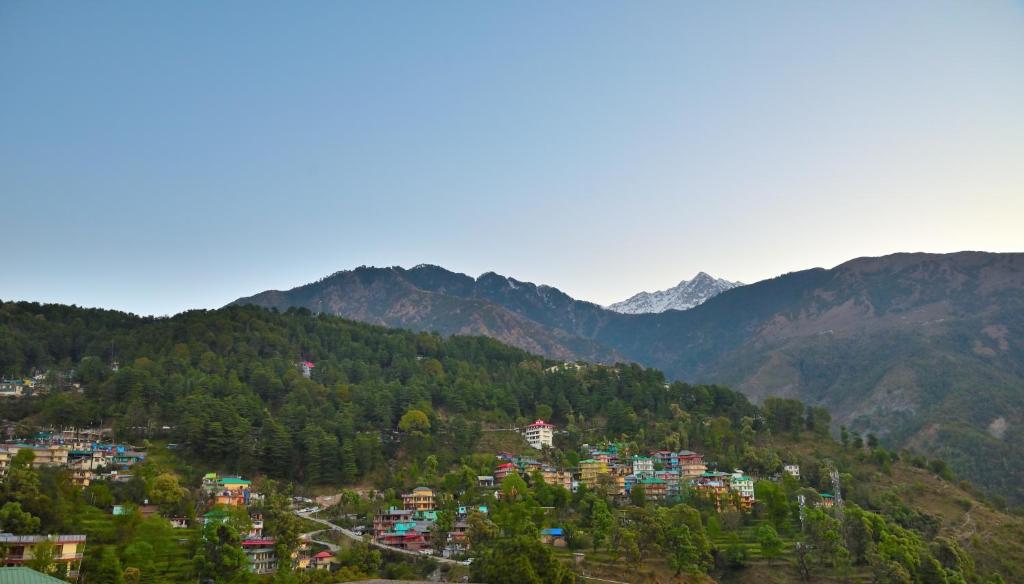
x: 420, y: 499
x: 232, y: 491
x: 45, y: 455
x: 713, y: 485
x: 643, y: 465
x: 691, y: 464
x: 655, y: 489
x: 590, y: 470
x: 553, y: 476
x: 68, y: 551
x: 744, y: 486
x: 504, y: 469
x: 540, y: 434
x: 792, y: 470
x: 261, y: 555
x: 668, y: 459
x: 385, y: 520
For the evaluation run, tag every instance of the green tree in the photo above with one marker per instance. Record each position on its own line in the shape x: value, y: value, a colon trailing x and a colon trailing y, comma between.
x: 108, y: 569
x: 601, y: 520
x: 519, y: 560
x: 414, y: 422
x: 683, y: 554
x: 770, y: 542
x: 14, y: 520
x: 44, y: 558
x: 167, y: 493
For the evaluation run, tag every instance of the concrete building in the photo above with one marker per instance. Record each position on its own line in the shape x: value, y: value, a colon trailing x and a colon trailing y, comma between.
x: 261, y: 555
x: 420, y: 499
x: 68, y: 551
x: 540, y: 434
x: 643, y: 465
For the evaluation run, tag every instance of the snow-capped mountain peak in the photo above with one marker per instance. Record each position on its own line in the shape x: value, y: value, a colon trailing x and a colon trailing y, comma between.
x: 683, y: 296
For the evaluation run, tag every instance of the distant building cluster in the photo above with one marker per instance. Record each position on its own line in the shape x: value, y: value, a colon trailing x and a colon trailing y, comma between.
x: 84, y: 452
x: 413, y: 526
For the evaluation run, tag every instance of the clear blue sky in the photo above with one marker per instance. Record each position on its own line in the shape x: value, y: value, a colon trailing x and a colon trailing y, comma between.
x: 161, y: 156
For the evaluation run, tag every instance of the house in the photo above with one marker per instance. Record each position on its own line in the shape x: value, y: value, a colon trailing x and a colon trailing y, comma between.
x: 179, y: 522
x: 68, y: 550
x: 230, y: 491
x: 643, y: 465
x: 420, y: 499
x: 539, y: 434
x: 792, y: 470
x: 485, y: 481
x: 261, y: 555
x: 504, y: 469
x: 322, y: 560
x: 12, y: 388
x: 553, y: 476
x: 307, y: 368
x: 744, y: 486
x: 553, y: 536
x: 827, y: 501
x: 385, y: 521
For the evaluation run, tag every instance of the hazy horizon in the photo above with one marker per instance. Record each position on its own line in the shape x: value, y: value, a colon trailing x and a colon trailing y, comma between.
x: 157, y: 158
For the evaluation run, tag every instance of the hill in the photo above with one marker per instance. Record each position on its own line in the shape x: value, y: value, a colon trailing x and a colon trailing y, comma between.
x: 226, y: 386
x: 396, y: 409
x: 921, y: 349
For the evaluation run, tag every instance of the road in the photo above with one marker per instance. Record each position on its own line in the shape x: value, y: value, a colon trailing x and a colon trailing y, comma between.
x: 353, y: 535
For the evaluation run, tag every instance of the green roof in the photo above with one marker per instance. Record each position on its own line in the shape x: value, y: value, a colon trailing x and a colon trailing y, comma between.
x: 234, y: 481
x: 22, y: 575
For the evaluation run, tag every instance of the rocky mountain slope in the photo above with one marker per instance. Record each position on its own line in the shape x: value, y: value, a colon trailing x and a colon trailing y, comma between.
x: 683, y: 296
x: 924, y: 350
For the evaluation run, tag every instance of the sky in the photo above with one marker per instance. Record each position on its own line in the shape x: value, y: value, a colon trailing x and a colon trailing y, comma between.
x: 156, y: 157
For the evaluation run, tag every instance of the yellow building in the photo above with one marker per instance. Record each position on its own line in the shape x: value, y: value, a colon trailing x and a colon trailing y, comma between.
x: 68, y: 550
x: 590, y: 470
x: 420, y: 499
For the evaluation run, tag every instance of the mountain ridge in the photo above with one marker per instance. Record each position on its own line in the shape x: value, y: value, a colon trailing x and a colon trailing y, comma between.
x: 922, y: 349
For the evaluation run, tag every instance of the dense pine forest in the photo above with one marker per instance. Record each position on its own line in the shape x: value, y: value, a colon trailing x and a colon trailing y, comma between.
x: 388, y: 410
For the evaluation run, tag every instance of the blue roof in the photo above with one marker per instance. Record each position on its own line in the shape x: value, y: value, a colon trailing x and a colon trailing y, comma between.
x: 555, y: 531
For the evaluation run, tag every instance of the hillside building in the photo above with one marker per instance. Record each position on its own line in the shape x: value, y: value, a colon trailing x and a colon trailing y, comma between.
x: 540, y: 434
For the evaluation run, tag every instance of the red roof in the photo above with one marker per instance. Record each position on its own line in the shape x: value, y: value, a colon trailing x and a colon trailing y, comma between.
x: 308, y: 364
x: 324, y: 554
x: 258, y: 542
x: 541, y: 423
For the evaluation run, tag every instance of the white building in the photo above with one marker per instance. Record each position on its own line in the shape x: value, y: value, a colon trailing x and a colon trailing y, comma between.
x: 743, y: 485
x: 792, y: 470
x: 540, y: 434
x: 643, y: 465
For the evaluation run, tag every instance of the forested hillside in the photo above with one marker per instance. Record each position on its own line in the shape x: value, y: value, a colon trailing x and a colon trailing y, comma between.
x: 392, y: 409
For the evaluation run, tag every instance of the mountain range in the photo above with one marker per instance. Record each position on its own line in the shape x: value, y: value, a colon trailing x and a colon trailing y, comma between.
x: 683, y: 296
x: 923, y: 350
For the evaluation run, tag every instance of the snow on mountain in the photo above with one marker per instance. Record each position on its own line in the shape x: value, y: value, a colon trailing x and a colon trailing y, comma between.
x: 684, y: 296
